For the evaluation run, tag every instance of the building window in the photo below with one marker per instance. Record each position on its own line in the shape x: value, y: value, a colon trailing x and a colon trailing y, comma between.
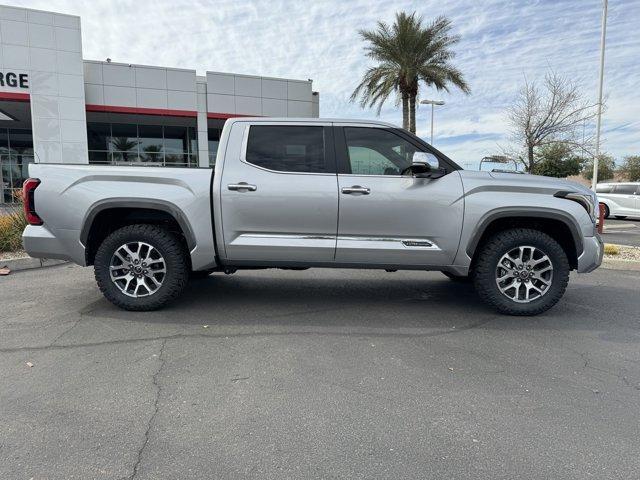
x: 16, y: 153
x: 142, y: 145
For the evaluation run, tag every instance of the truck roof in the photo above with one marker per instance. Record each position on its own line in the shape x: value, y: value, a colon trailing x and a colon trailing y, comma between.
x: 313, y: 120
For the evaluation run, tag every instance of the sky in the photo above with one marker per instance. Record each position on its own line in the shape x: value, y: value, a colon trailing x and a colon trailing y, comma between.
x: 502, y: 43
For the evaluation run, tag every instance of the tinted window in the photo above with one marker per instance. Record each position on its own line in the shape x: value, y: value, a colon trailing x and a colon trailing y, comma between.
x: 376, y: 151
x: 287, y: 148
x: 625, y: 189
x: 124, y: 138
x: 214, y: 140
x: 603, y: 188
x: 150, y: 143
x: 176, y: 140
x: 98, y: 136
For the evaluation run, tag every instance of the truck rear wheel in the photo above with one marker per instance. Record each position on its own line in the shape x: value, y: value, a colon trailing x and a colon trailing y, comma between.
x: 141, y: 267
x: 521, y: 272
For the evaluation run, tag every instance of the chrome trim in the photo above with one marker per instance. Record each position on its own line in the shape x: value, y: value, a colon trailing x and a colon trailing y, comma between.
x: 293, y: 237
x: 382, y: 176
x: 356, y: 189
x: 416, y: 243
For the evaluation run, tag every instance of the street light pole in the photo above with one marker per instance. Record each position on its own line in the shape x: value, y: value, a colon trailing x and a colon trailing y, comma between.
x: 594, y: 181
x: 432, y: 103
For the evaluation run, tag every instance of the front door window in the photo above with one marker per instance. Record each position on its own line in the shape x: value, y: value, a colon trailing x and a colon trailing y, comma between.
x: 377, y: 151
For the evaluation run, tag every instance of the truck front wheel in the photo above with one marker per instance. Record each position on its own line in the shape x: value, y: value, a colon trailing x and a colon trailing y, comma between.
x: 141, y: 267
x: 521, y: 271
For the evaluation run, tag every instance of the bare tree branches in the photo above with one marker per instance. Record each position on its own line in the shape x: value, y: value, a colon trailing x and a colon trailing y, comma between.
x: 555, y: 113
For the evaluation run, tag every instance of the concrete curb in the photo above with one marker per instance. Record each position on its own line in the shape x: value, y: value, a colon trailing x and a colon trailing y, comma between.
x: 28, y: 263
x: 624, y: 226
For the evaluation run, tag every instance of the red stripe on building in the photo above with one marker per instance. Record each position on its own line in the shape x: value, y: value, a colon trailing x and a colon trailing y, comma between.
x: 224, y: 116
x: 165, y: 112
x: 14, y: 97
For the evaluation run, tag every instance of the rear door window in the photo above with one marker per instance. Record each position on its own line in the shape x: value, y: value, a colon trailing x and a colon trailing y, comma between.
x: 625, y: 189
x: 288, y: 148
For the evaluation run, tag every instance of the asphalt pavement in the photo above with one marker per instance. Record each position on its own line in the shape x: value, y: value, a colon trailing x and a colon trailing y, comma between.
x: 317, y: 374
x: 622, y: 232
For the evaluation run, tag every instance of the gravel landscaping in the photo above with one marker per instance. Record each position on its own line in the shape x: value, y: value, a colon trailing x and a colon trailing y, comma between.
x: 13, y: 255
x: 626, y: 253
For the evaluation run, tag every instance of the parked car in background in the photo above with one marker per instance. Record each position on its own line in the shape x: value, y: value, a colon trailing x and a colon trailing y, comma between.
x: 304, y: 193
x: 621, y: 200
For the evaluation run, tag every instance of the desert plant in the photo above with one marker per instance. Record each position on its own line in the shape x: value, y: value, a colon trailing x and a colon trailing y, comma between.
x: 408, y: 53
x: 610, y: 249
x: 11, y: 228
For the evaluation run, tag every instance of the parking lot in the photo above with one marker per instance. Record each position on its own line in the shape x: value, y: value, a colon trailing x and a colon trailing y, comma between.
x: 622, y: 232
x: 317, y: 374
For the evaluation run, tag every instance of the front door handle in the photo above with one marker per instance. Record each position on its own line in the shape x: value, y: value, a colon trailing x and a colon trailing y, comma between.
x: 356, y: 189
x: 241, y: 187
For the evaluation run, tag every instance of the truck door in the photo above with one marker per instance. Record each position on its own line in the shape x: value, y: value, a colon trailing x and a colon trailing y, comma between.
x: 386, y: 215
x: 279, y: 194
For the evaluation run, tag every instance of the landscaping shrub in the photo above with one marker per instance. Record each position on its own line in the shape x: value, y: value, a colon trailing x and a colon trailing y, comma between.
x: 11, y: 227
x: 610, y: 249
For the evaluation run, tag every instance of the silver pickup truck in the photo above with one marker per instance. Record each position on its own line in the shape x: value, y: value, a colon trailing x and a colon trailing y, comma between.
x: 314, y: 193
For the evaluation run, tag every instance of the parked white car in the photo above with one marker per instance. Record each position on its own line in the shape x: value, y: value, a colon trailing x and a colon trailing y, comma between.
x: 620, y: 199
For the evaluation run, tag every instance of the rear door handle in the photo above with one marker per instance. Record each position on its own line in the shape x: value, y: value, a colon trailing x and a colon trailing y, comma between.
x: 241, y: 187
x: 356, y: 189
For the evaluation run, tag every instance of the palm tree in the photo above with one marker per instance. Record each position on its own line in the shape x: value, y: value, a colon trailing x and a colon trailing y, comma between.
x: 408, y: 53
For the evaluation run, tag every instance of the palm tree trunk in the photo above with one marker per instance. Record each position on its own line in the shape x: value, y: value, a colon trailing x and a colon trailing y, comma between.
x: 412, y: 113
x: 405, y: 111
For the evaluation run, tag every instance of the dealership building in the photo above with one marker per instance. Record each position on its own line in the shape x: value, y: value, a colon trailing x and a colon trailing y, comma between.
x: 56, y: 107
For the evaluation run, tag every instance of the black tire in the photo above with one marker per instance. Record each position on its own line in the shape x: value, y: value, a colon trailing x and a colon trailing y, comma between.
x: 166, y: 243
x: 620, y: 217
x: 607, y: 212
x: 484, y: 271
x: 457, y: 278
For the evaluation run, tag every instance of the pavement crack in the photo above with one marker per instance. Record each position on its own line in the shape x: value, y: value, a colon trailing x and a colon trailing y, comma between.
x: 363, y: 334
x: 66, y: 330
x: 150, y: 423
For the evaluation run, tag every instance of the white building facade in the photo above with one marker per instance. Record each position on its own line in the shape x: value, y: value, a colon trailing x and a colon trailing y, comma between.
x: 56, y: 107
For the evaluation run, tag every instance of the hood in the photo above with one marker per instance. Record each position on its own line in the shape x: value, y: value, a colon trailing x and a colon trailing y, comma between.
x: 539, y: 179
x: 473, y: 179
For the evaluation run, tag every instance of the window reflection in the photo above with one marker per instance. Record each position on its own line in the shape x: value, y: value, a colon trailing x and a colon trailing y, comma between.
x: 148, y: 145
x: 16, y: 153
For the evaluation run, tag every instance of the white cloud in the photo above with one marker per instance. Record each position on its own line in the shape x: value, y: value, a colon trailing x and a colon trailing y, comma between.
x: 501, y: 43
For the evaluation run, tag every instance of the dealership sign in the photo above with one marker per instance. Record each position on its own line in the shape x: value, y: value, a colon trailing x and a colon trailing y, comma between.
x: 12, y: 79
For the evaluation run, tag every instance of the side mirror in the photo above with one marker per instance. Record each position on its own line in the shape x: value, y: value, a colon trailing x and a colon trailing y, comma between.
x: 425, y: 165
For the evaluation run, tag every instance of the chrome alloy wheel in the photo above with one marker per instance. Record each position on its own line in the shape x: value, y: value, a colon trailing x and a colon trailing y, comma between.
x: 137, y: 269
x: 524, y: 274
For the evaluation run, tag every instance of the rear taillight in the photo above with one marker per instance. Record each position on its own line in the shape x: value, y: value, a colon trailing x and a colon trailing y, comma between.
x: 28, y: 190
